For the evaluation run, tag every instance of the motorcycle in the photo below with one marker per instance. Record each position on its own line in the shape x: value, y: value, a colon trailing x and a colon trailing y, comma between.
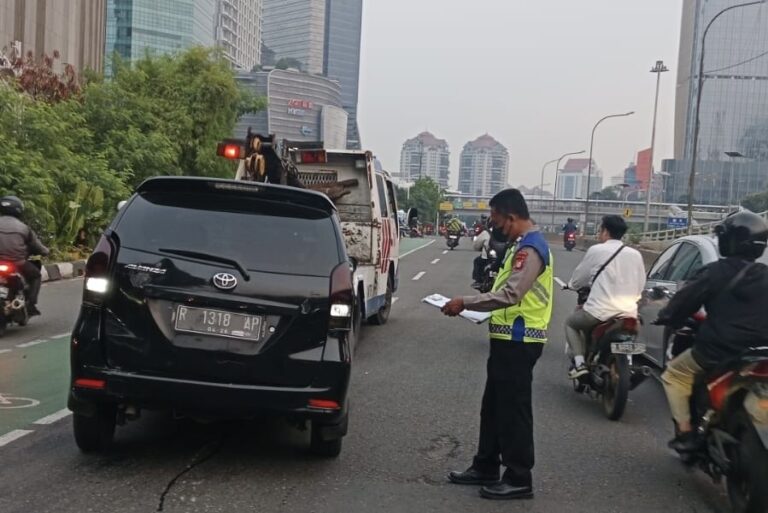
x: 452, y: 239
x: 13, y: 297
x: 570, y: 241
x: 729, y: 412
x: 610, y: 359
x: 416, y: 232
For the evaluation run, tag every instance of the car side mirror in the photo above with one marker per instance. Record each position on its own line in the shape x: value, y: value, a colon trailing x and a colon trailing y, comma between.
x: 121, y: 204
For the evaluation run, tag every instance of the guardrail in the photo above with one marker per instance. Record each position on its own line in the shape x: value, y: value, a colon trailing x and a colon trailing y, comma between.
x: 675, y: 233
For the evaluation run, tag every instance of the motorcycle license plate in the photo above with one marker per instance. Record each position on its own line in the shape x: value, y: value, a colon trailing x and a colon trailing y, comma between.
x: 3, y: 292
x: 627, y: 348
x: 453, y: 237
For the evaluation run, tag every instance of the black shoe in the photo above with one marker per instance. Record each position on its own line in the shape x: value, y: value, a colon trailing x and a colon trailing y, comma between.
x: 472, y: 477
x: 33, y: 311
x: 685, y: 442
x: 503, y: 491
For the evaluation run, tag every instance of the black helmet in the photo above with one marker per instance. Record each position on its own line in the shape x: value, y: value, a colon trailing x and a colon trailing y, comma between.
x: 11, y: 206
x: 570, y: 219
x: 743, y: 234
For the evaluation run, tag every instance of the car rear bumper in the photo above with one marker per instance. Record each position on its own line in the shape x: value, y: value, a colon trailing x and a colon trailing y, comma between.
x: 207, y: 399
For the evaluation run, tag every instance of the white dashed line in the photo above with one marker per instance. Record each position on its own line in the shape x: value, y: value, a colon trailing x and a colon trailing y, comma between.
x: 419, y: 276
x: 5, y: 351
x: 436, y: 260
x: 395, y: 300
x: 445, y: 252
x: 53, y: 417
x: 560, y: 282
x: 417, y: 249
x: 32, y: 343
x: 13, y: 436
x: 62, y: 335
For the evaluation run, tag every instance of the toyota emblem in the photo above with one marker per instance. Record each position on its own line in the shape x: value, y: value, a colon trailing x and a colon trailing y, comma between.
x: 224, y: 281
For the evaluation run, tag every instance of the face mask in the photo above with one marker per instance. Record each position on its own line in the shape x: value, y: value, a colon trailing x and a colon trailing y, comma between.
x: 498, y: 234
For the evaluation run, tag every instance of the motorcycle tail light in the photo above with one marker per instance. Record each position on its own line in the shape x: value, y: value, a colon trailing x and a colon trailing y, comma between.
x: 718, y: 390
x: 7, y: 268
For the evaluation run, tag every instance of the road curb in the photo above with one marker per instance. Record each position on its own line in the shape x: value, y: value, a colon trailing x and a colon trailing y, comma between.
x: 63, y: 271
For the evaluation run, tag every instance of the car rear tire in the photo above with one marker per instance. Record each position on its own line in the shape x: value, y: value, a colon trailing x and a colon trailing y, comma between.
x: 382, y: 316
x: 95, y: 433
x: 324, y: 448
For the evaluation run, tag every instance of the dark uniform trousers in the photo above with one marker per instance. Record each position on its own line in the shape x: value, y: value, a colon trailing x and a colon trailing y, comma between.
x: 506, y: 416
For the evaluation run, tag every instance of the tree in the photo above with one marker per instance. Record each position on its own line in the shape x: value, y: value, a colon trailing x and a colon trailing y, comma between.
x: 756, y: 202
x: 289, y: 62
x: 608, y: 194
x: 38, y: 79
x: 426, y: 196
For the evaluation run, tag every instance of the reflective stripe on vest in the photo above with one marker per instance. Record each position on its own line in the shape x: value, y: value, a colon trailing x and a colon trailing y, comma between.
x: 527, y: 321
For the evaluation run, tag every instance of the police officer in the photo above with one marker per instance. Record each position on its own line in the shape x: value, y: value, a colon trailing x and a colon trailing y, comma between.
x: 733, y: 291
x: 17, y: 243
x: 521, y: 302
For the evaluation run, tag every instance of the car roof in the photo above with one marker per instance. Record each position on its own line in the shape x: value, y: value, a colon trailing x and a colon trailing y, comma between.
x: 709, y: 248
x: 303, y: 197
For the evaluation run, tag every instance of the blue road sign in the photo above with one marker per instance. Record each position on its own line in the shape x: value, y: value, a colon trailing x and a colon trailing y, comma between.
x: 677, y: 222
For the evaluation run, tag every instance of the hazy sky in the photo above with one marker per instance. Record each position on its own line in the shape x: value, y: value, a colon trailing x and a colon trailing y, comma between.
x: 536, y: 75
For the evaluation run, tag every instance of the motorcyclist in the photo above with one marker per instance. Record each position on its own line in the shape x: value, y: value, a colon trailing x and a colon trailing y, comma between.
x: 569, y: 228
x: 732, y: 290
x: 454, y: 225
x: 17, y: 243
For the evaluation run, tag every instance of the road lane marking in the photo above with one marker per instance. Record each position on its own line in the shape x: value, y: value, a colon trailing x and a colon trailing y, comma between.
x: 5, y: 351
x: 436, y: 260
x: 62, y: 335
x: 13, y: 436
x: 395, y: 300
x: 417, y: 249
x: 33, y: 343
x: 53, y: 417
x: 419, y: 276
x: 445, y: 252
x: 560, y: 282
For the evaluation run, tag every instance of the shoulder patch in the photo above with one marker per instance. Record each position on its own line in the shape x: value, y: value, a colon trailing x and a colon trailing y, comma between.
x: 520, y: 258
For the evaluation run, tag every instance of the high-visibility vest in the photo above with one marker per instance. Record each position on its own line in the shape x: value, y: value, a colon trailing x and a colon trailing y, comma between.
x: 527, y: 321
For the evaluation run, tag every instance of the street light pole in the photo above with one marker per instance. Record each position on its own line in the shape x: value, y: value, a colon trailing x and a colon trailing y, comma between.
x: 541, y: 188
x: 733, y: 155
x: 589, y: 170
x: 697, y: 124
x: 557, y: 172
x: 658, y: 69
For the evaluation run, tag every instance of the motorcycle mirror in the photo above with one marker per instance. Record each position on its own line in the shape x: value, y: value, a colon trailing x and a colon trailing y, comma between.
x: 660, y: 292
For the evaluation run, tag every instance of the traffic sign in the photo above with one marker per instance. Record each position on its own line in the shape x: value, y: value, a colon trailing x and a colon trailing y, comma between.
x: 677, y: 222
x: 627, y: 213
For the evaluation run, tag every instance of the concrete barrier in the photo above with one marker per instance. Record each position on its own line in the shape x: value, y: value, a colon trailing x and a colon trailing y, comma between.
x: 62, y: 271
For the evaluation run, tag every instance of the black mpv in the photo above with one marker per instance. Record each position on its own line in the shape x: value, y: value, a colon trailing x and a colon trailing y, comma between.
x: 216, y: 299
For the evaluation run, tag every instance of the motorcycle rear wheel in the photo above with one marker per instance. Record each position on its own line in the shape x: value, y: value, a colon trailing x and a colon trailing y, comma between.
x: 747, y: 480
x: 616, y: 390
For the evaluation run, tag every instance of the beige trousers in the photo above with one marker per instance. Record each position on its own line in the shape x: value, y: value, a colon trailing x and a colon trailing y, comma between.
x: 678, y: 384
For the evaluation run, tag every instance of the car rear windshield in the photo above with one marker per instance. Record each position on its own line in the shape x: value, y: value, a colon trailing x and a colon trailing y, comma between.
x: 260, y: 235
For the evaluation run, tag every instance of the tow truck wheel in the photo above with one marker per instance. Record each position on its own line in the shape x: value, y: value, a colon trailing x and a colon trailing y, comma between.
x: 382, y: 316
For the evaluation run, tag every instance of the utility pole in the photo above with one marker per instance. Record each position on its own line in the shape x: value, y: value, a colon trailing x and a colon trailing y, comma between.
x: 658, y: 69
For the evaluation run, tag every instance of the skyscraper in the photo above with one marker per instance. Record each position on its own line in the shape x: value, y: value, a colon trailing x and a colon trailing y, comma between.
x: 734, y: 102
x: 75, y: 28
x: 323, y: 36
x: 425, y: 156
x: 137, y: 26
x: 295, y: 29
x: 572, y: 179
x: 484, y: 167
x: 238, y: 32
x: 343, y: 31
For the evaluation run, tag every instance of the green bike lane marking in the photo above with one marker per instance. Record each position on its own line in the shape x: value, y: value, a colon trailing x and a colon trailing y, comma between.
x: 34, y: 382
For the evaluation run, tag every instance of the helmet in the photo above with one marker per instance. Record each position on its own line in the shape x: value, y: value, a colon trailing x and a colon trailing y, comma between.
x: 11, y: 206
x: 743, y: 234
x: 570, y: 219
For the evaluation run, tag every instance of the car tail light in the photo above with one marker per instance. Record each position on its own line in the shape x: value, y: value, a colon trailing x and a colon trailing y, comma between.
x: 342, y: 299
x: 230, y: 149
x: 7, y: 268
x: 311, y: 157
x: 97, y: 272
x: 92, y: 384
x: 324, y: 404
x: 718, y: 390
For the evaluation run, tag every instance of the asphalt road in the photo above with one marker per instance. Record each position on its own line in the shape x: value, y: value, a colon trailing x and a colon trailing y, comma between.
x: 415, y: 398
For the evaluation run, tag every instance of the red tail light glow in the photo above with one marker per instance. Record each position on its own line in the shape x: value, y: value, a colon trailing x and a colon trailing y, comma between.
x: 324, y: 404
x: 233, y: 150
x: 7, y: 268
x: 718, y: 390
x: 311, y: 157
x: 91, y: 384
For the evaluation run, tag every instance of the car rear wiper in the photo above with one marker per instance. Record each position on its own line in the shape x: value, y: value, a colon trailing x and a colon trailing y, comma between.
x: 212, y: 258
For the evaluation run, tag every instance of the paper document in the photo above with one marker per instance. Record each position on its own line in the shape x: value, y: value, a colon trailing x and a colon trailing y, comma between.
x: 438, y: 300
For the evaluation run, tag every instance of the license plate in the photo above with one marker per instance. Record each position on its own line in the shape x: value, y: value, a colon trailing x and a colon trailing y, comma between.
x: 627, y: 348
x: 452, y: 237
x: 219, y: 323
x: 3, y: 292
